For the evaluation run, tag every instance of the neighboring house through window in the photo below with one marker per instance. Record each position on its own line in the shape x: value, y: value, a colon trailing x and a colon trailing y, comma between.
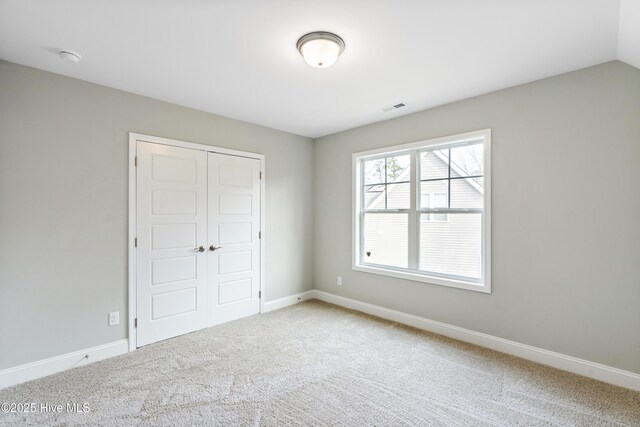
x: 422, y: 211
x: 434, y: 200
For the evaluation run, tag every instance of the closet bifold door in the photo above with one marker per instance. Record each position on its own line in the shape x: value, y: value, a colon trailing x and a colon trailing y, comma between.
x: 234, y: 246
x: 171, y: 248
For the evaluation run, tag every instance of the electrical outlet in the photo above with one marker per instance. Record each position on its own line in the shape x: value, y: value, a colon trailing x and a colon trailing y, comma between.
x: 114, y: 318
x: 339, y: 281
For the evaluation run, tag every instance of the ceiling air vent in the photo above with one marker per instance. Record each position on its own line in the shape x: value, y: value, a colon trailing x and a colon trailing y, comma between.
x: 394, y: 107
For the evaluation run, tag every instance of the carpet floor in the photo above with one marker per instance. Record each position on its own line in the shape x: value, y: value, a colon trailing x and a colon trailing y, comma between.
x: 315, y: 364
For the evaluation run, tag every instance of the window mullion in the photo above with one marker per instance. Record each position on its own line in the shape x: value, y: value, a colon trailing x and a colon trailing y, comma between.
x: 414, y: 232
x: 386, y: 186
x: 360, y: 255
x: 449, y: 181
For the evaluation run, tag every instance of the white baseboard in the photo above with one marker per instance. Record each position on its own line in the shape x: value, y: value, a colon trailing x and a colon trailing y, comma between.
x: 578, y: 366
x: 619, y: 377
x: 287, y: 301
x: 42, y: 368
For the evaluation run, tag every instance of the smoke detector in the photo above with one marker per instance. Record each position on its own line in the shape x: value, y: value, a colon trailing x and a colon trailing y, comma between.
x: 70, y: 56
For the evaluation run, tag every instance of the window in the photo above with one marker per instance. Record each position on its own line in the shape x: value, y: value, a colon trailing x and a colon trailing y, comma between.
x: 422, y: 211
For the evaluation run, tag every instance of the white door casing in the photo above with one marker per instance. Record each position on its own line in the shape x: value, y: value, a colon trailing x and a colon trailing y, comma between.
x: 234, y: 241
x: 171, y: 226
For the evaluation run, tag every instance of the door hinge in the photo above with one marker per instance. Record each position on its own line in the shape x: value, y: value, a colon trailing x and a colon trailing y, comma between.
x: 135, y: 161
x: 135, y: 322
x: 135, y: 242
x: 260, y: 174
x: 259, y: 294
x: 259, y: 234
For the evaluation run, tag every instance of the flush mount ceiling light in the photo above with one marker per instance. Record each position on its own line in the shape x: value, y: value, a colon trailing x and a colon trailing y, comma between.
x: 69, y: 56
x: 320, y: 49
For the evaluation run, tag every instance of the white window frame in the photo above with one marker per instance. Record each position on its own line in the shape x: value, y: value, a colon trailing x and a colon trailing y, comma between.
x: 358, y: 264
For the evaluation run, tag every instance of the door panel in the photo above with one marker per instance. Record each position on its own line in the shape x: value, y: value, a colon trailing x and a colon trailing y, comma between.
x: 234, y: 204
x: 173, y: 270
x: 234, y: 224
x: 234, y: 291
x: 173, y: 303
x: 234, y: 262
x: 235, y: 176
x: 172, y: 202
x: 174, y: 236
x: 171, y: 223
x: 175, y: 169
x: 235, y: 233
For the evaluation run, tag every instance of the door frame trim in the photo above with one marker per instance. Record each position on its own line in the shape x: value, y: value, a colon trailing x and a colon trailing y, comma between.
x: 131, y: 249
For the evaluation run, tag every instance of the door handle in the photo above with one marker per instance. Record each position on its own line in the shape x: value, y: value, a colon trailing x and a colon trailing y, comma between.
x: 199, y: 249
x: 214, y: 248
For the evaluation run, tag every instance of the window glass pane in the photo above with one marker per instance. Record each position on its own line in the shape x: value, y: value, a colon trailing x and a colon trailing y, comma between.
x: 467, y: 160
x: 386, y: 239
x: 434, y: 200
x: 439, y: 200
x: 438, y: 217
x: 398, y: 196
x: 467, y: 193
x: 428, y: 190
x: 425, y: 199
x: 434, y: 164
x: 398, y: 168
x: 374, y: 196
x: 374, y: 171
x: 453, y: 247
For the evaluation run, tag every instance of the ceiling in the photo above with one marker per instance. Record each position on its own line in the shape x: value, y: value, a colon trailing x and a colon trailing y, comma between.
x: 238, y: 58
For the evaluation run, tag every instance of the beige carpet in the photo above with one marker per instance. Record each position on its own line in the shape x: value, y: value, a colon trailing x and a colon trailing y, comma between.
x: 318, y: 364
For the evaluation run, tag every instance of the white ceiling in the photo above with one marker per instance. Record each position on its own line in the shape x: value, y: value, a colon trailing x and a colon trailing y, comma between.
x: 238, y: 58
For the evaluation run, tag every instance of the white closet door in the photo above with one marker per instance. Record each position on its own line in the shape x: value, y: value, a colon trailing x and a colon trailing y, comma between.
x: 172, y: 235
x: 234, y: 224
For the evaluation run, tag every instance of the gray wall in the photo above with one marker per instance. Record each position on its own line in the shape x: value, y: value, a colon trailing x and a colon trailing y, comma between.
x: 63, y: 205
x: 566, y: 203
x: 566, y: 215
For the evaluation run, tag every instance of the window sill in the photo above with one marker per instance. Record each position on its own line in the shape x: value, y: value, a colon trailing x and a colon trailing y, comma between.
x: 451, y: 283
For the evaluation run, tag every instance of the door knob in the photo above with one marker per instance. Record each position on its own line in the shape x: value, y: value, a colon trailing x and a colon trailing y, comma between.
x: 199, y: 249
x: 214, y: 248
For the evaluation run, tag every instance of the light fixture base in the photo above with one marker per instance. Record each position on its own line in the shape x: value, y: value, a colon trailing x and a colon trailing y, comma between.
x: 320, y: 35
